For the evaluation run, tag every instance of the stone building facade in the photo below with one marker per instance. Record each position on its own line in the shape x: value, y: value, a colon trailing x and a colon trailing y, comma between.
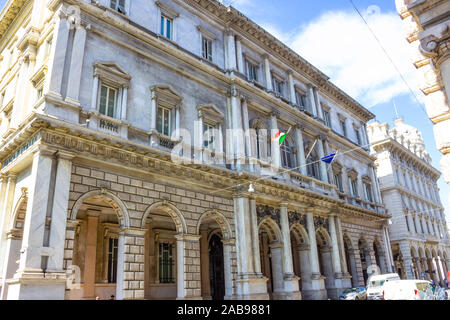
x: 427, y: 29
x: 137, y: 159
x: 408, y: 182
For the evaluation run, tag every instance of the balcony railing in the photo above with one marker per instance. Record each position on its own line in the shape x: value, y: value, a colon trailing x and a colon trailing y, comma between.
x: 115, y: 127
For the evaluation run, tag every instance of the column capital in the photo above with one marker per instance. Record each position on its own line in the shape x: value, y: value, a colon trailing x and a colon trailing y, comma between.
x: 65, y: 155
x: 275, y: 113
x: 43, y: 150
x: 130, y: 231
x: 290, y: 72
x: 284, y: 203
x: 93, y: 213
x: 187, y: 237
x: 265, y: 56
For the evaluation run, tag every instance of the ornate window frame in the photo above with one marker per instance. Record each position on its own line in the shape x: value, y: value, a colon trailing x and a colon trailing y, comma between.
x: 209, y: 114
x: 168, y: 13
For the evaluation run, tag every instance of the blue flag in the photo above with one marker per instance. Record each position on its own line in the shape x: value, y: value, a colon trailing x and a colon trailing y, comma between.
x: 329, y: 158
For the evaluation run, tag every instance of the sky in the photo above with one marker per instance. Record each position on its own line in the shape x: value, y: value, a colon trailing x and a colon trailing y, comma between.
x: 333, y: 37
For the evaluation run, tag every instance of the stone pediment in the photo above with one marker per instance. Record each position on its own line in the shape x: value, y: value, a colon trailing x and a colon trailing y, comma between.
x: 166, y: 93
x: 210, y: 111
x: 111, y: 71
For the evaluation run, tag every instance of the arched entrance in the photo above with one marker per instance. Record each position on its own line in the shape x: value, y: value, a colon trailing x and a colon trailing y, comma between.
x: 216, y: 268
x: 163, y: 223
x: 215, y: 247
x: 14, y: 236
x: 99, y: 218
x: 301, y: 257
x: 351, y: 261
x: 271, y: 253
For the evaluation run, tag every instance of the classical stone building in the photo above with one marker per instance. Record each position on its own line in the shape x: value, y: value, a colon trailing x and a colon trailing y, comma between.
x: 427, y: 28
x: 116, y: 118
x: 418, y: 232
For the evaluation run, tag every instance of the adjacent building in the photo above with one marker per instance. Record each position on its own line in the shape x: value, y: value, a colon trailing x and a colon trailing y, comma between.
x: 427, y: 29
x: 137, y: 159
x: 408, y: 182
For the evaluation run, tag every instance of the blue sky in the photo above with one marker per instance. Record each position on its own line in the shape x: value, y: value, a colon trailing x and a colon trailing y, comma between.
x: 330, y: 35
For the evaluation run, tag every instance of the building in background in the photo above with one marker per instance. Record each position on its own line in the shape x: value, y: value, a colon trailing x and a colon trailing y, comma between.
x: 408, y: 183
x: 93, y: 98
x: 427, y: 27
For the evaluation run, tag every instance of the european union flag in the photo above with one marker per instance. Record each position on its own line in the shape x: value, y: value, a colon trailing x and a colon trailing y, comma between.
x: 329, y: 158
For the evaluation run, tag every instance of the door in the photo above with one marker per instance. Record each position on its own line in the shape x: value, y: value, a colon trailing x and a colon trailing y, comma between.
x: 216, y: 266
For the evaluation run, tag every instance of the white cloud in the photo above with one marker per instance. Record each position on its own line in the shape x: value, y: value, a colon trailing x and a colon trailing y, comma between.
x: 341, y: 45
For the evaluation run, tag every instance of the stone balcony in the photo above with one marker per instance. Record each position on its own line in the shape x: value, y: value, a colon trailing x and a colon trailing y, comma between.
x: 108, y: 125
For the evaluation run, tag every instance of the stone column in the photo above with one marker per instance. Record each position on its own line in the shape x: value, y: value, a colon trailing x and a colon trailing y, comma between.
x: 94, y: 93
x: 305, y: 268
x: 154, y: 110
x: 300, y: 150
x: 248, y: 142
x: 292, y: 96
x: 90, y: 254
x: 250, y: 283
x: 276, y: 158
x: 240, y: 60
x: 318, y: 291
x: 311, y: 100
x: 335, y: 247
x: 442, y: 273
x: 130, y: 264
x: 204, y: 258
x: 290, y: 285
x: 58, y: 56
x: 59, y: 211
x: 317, y: 102
x: 238, y: 136
x: 276, y: 252
x: 230, y: 51
x: 255, y: 236
x: 227, y: 249
x: 267, y: 74
x: 76, y: 65
x: 323, y: 165
x: 376, y: 188
x: 406, y: 254
x: 188, y: 267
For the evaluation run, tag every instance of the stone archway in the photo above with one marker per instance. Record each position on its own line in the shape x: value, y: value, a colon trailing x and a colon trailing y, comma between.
x: 215, y: 255
x: 165, y: 247
x: 271, y: 255
x: 301, y: 256
x: 14, y: 236
x: 99, y: 223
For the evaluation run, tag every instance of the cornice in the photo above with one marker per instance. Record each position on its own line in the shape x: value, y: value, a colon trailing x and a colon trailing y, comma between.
x: 405, y: 151
x: 9, y: 14
x: 92, y: 145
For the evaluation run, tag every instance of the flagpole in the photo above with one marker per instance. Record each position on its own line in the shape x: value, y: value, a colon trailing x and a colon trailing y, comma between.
x: 312, y: 148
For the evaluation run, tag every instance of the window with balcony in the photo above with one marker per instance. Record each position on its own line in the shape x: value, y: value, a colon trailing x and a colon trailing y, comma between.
x: 260, y: 139
x: 357, y: 135
x: 326, y: 117
x: 212, y: 119
x: 312, y: 166
x: 163, y: 122
x: 118, y: 5
x: 288, y: 159
x: 368, y: 192
x: 108, y: 101
x: 338, y: 182
x: 278, y: 86
x: 343, y: 127
x: 301, y: 99
x: 252, y: 71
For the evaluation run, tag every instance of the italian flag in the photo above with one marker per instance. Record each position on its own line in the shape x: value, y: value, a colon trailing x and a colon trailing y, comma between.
x: 280, y: 136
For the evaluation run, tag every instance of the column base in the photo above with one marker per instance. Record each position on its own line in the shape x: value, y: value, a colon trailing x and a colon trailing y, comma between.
x: 252, y: 289
x: 34, y: 286
x: 191, y: 298
x: 296, y: 295
x: 317, y: 290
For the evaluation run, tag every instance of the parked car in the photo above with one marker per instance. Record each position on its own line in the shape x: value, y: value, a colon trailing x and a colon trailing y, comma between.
x: 375, y: 285
x: 408, y: 290
x: 358, y: 293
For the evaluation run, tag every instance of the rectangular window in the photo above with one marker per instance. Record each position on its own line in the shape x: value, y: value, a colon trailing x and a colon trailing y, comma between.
x: 163, y: 121
x: 368, y: 192
x: 343, y: 127
x: 354, y: 186
x: 407, y: 223
x: 301, y: 99
x: 166, y: 27
x: 278, y: 86
x: 166, y: 263
x: 118, y: 5
x: 326, y: 116
x: 209, y: 140
x: 48, y: 47
x: 207, y: 48
x: 108, y: 101
x: 112, y: 260
x: 358, y: 137
x: 252, y: 72
x: 39, y: 94
x: 338, y: 181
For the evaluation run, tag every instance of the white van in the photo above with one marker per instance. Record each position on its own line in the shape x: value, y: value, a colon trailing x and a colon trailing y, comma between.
x: 408, y: 290
x: 375, y: 285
